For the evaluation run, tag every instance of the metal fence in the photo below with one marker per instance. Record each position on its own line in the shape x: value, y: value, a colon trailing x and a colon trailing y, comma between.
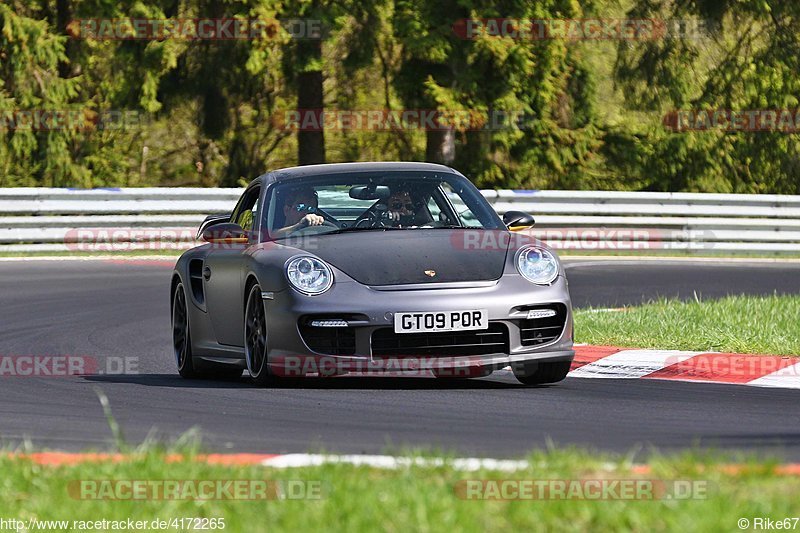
x: 38, y: 219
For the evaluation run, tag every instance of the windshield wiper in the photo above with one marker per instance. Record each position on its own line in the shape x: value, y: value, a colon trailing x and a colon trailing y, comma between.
x: 451, y: 226
x: 357, y: 228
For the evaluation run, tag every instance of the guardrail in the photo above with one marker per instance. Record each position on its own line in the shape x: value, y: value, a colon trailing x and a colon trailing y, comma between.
x: 37, y: 219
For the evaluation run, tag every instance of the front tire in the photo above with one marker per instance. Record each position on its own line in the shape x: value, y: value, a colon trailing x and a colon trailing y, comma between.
x: 542, y: 373
x: 181, y: 334
x: 255, y: 337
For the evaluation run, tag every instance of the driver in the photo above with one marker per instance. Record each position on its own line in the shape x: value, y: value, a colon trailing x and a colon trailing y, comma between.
x: 401, y: 208
x: 299, y: 211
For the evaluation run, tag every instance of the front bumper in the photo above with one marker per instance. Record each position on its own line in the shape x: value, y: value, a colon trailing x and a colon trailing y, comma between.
x: 368, y: 309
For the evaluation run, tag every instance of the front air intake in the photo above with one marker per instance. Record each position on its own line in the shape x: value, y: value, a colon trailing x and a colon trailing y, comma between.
x: 543, y: 329
x: 387, y: 343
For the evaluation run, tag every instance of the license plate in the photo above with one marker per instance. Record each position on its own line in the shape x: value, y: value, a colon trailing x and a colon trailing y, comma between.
x: 441, y: 321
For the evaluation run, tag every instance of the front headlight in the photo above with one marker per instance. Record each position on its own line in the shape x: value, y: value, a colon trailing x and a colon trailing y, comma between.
x: 537, y: 265
x: 309, y: 275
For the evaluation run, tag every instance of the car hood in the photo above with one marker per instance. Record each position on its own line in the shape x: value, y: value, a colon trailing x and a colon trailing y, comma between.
x: 399, y: 257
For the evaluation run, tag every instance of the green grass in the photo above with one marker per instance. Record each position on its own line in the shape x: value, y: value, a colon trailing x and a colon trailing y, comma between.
x: 414, y: 498
x: 702, y: 254
x: 739, y: 324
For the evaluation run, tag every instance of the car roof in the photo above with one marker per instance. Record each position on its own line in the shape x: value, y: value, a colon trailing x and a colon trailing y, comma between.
x: 291, y: 173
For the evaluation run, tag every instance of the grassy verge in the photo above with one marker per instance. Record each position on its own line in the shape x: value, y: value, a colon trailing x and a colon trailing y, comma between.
x: 415, y: 498
x: 682, y: 254
x: 739, y: 324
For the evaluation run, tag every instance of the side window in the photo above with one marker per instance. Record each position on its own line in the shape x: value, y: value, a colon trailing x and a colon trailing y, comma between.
x: 435, y: 210
x: 246, y: 213
x: 465, y: 215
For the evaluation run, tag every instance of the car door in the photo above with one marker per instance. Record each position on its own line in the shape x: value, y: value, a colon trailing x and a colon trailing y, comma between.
x: 223, y: 273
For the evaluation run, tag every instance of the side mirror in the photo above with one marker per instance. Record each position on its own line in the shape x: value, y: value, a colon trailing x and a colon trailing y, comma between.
x: 212, y: 220
x: 225, y: 233
x: 517, y: 220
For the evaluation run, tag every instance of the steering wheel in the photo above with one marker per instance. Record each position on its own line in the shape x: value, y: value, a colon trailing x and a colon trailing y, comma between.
x: 374, y: 218
x: 330, y: 219
x: 314, y: 230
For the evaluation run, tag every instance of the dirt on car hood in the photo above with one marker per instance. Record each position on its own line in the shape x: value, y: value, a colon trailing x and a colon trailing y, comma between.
x: 399, y: 257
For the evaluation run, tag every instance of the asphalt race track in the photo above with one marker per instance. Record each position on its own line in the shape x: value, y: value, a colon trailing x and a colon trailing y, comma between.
x: 115, y: 310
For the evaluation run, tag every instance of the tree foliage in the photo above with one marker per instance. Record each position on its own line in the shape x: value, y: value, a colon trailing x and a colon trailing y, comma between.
x: 590, y: 113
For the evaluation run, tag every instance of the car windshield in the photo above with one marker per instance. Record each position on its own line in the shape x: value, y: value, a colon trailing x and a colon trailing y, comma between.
x: 386, y: 201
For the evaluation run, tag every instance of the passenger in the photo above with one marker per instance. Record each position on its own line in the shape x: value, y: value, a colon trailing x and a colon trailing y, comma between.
x: 402, y: 211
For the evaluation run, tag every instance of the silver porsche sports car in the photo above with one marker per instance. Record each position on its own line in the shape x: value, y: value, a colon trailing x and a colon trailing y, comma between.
x: 377, y: 268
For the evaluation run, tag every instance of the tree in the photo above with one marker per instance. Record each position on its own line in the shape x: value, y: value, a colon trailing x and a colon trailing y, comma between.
x: 748, y: 59
x: 493, y: 74
x: 32, y: 150
x: 304, y: 65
